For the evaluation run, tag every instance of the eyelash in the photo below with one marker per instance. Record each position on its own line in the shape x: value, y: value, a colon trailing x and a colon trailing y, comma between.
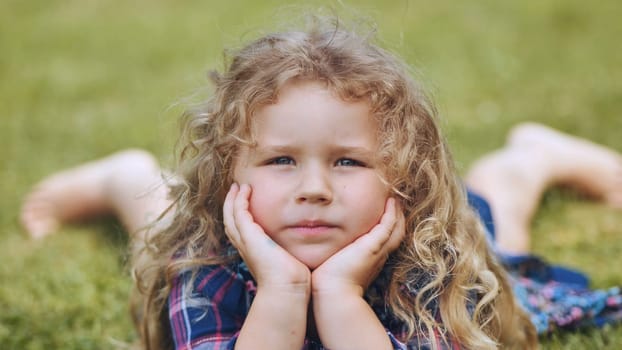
x: 284, y: 160
x: 279, y: 161
x: 350, y: 160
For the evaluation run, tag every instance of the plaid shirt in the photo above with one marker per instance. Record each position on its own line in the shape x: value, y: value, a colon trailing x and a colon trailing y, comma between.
x: 208, y: 312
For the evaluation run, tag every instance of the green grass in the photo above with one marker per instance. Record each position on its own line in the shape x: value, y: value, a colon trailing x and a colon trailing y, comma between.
x: 80, y: 79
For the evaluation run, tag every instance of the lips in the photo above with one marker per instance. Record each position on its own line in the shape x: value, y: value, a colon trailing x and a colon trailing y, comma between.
x: 313, y: 223
x: 312, y: 227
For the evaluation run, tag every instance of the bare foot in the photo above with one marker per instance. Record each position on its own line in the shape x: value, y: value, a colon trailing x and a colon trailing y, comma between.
x: 81, y: 192
x: 535, y: 158
x: 512, y: 181
x: 581, y: 164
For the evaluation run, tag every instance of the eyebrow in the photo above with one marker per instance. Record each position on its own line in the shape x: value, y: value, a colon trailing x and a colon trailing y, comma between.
x: 276, y: 148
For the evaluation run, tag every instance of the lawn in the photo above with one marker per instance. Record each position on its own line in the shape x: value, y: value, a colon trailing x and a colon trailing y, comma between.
x: 81, y: 79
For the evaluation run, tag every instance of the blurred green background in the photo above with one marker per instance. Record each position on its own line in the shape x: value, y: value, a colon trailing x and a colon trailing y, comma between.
x: 81, y: 79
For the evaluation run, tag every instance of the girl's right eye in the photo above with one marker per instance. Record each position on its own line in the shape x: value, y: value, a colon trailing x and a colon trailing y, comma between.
x: 281, y: 161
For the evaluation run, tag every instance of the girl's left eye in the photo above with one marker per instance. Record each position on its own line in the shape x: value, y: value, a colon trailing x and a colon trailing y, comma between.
x: 348, y: 162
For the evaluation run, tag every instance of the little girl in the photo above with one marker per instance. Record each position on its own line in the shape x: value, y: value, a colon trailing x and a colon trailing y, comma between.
x: 318, y: 208
x: 315, y: 206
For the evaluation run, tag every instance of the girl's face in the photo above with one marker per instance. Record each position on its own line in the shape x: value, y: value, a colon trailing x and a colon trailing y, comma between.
x: 313, y: 173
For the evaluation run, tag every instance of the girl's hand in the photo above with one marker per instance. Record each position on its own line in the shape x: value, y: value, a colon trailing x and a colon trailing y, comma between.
x: 354, y: 267
x: 269, y: 263
x: 338, y: 286
x: 278, y: 314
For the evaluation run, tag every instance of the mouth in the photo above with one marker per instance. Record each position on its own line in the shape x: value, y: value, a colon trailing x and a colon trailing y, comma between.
x: 313, y: 223
x: 312, y: 227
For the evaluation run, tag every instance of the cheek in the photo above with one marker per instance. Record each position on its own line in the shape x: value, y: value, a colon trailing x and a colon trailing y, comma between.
x: 263, y: 205
x: 373, y: 212
x: 369, y: 203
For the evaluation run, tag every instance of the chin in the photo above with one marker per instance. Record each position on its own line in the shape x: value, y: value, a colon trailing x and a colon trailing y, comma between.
x: 313, y: 262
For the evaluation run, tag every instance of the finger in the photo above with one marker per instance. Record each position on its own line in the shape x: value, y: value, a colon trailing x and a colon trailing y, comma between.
x: 227, y: 212
x: 398, y: 232
x: 380, y: 234
x: 243, y: 219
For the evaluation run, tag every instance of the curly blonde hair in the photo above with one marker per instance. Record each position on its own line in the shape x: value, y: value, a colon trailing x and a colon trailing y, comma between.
x: 444, y: 243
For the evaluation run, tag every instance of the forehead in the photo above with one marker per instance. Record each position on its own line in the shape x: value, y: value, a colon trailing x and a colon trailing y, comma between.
x: 309, y: 109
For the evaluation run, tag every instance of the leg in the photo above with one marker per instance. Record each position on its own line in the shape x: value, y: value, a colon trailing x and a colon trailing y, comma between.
x: 535, y: 157
x: 127, y: 184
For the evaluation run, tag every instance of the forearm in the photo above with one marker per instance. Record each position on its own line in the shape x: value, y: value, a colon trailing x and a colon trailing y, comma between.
x: 277, y: 319
x: 346, y: 321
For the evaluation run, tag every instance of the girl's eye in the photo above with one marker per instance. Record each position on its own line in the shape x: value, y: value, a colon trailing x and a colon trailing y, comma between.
x: 282, y: 161
x: 348, y: 162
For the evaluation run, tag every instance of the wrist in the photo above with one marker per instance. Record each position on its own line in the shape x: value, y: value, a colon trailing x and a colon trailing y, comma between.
x: 284, y: 299
x: 335, y: 287
x: 298, y: 285
x: 285, y: 289
x: 295, y: 279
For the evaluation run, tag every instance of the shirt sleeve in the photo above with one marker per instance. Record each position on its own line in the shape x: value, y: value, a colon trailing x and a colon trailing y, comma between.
x: 207, y: 312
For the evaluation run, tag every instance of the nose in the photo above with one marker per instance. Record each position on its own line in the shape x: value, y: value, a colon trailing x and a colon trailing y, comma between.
x: 315, y: 186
